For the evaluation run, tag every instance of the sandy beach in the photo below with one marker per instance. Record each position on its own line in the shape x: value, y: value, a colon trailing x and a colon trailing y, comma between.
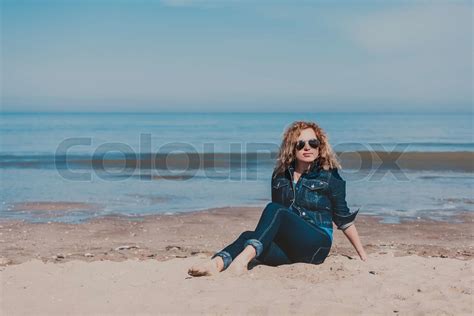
x: 138, y: 265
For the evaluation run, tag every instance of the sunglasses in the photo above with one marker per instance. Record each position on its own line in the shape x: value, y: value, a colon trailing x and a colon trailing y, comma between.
x: 314, y: 143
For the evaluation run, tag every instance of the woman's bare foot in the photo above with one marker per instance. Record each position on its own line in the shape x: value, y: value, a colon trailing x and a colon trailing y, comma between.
x: 239, y: 265
x: 211, y: 267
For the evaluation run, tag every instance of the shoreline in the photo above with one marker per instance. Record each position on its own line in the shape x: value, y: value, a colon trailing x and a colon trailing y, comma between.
x: 79, y: 212
x: 186, y: 234
x: 46, y: 211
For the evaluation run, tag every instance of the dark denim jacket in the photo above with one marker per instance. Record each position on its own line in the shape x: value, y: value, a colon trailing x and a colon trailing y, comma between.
x: 320, y: 196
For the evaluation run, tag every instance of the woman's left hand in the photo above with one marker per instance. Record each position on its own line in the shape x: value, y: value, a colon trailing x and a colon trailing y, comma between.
x: 353, y: 236
x: 363, y: 256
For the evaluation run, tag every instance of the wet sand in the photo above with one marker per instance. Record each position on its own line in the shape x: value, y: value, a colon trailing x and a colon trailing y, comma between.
x: 131, y: 265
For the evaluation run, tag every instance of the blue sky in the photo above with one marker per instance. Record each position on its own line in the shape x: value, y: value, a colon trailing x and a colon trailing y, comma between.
x: 185, y: 55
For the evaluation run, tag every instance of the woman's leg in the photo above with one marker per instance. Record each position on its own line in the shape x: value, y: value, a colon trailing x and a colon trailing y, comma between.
x: 281, y: 237
x: 283, y: 234
x: 274, y: 256
x: 300, y: 241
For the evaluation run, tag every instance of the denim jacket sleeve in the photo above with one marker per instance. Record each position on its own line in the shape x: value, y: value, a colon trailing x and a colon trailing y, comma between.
x: 271, y: 187
x: 341, y: 214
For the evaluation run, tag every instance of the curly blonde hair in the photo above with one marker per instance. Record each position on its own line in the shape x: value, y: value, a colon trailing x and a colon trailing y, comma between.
x: 287, y: 154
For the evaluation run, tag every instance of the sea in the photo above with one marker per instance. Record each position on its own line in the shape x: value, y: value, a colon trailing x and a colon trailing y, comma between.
x: 73, y: 167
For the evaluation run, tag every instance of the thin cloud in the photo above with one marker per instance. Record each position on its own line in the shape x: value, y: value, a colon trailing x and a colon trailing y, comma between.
x: 429, y: 27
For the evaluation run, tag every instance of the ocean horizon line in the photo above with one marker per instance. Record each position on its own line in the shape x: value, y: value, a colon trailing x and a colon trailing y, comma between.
x: 237, y: 112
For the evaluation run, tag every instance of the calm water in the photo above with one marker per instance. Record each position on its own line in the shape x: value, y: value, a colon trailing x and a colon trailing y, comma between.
x: 29, y: 174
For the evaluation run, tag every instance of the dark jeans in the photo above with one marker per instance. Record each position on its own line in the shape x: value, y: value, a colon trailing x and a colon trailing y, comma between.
x: 281, y: 237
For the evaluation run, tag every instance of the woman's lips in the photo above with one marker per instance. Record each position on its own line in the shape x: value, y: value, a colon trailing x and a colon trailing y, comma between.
x: 307, y: 155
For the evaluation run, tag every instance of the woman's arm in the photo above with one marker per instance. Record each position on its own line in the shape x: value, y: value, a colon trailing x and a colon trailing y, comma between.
x: 342, y: 216
x: 353, y: 236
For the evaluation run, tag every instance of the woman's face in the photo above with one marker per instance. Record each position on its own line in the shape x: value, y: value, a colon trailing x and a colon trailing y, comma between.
x: 307, y: 154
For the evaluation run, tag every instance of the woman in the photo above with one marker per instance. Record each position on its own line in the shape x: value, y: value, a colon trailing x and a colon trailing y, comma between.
x: 308, y: 194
